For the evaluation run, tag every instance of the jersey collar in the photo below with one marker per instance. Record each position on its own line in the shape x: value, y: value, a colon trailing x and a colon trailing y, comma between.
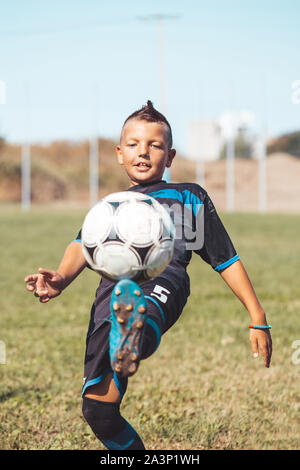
x: 144, y: 185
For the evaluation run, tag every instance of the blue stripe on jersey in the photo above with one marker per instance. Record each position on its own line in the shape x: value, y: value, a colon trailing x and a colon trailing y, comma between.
x: 159, y: 307
x: 186, y: 197
x: 227, y: 263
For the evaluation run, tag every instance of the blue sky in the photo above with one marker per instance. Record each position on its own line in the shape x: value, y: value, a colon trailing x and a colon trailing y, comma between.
x: 81, y: 67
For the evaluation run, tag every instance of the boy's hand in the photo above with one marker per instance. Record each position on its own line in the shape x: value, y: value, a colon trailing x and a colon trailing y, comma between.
x: 261, y: 340
x: 45, y: 284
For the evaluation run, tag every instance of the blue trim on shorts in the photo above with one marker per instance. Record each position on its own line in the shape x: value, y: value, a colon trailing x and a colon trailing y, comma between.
x: 227, y: 263
x: 156, y: 329
x: 159, y: 307
x: 121, y: 388
x: 119, y: 385
x: 122, y: 440
x: 77, y: 240
x: 95, y: 381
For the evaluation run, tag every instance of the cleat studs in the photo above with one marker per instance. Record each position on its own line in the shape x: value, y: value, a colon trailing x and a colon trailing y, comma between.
x: 116, y: 306
x: 134, y: 357
x: 137, y: 292
x: 118, y: 368
x: 139, y: 324
x: 117, y: 291
x: 120, y: 320
x: 129, y: 308
x: 120, y: 356
x: 141, y: 309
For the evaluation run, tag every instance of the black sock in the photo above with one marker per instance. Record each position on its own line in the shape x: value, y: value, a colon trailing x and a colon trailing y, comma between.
x: 109, y: 426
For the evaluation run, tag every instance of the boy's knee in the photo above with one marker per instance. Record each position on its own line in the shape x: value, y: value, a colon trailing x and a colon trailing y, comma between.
x: 104, y: 418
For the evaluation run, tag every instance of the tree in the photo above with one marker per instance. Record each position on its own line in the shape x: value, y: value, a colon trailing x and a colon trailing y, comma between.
x: 2, y: 142
x: 242, y: 147
x: 287, y: 143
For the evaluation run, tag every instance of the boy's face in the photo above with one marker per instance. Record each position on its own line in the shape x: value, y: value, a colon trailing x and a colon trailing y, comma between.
x: 144, y: 150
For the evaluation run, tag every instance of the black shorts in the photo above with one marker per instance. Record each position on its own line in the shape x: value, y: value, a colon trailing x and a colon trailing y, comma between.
x: 165, y: 303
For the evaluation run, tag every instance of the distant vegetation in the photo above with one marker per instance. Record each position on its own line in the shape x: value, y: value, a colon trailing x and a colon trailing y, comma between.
x: 242, y: 148
x: 287, y: 143
x: 60, y: 171
x: 2, y: 142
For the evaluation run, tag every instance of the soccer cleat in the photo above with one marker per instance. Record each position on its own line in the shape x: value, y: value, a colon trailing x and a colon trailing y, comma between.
x: 128, y: 318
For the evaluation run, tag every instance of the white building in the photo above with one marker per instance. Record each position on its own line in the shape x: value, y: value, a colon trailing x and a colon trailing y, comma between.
x: 205, y: 140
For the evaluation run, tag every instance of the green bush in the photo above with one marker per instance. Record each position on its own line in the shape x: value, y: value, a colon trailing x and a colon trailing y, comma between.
x: 242, y: 148
x: 287, y: 143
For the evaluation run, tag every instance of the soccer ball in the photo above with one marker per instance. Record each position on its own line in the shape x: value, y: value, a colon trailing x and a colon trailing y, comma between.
x: 128, y: 235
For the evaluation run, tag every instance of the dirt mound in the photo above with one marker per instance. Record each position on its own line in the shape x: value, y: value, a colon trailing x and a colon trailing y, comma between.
x: 282, y: 183
x: 60, y: 173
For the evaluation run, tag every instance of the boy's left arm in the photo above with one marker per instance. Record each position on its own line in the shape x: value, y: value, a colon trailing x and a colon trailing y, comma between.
x: 237, y: 279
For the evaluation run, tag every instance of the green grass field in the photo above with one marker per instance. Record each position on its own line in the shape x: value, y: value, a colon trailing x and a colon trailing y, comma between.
x: 201, y: 390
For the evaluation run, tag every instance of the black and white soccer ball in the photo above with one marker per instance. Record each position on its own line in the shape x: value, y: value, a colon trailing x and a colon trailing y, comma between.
x: 128, y: 235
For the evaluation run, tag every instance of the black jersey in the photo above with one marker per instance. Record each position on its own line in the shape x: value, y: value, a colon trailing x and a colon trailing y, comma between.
x: 198, y: 229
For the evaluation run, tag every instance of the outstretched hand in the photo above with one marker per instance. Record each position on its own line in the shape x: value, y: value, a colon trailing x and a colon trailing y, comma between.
x: 261, y: 341
x: 45, y: 285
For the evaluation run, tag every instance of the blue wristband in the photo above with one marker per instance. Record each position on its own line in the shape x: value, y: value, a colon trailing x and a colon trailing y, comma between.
x: 257, y: 327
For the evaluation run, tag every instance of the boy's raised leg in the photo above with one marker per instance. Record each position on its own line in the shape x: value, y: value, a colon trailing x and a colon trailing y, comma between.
x: 128, y: 319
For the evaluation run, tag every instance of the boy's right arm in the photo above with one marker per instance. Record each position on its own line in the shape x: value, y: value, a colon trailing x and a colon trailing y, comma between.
x: 47, y: 284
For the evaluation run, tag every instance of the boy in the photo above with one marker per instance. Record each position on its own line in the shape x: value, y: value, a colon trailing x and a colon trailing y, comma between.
x: 127, y: 321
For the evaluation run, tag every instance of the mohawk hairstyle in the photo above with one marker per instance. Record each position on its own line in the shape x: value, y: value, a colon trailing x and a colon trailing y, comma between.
x: 150, y: 114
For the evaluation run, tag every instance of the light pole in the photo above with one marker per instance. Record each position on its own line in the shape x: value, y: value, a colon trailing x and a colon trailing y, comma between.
x: 159, y: 19
x: 94, y: 148
x: 25, y: 157
x: 229, y: 129
x: 262, y: 172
